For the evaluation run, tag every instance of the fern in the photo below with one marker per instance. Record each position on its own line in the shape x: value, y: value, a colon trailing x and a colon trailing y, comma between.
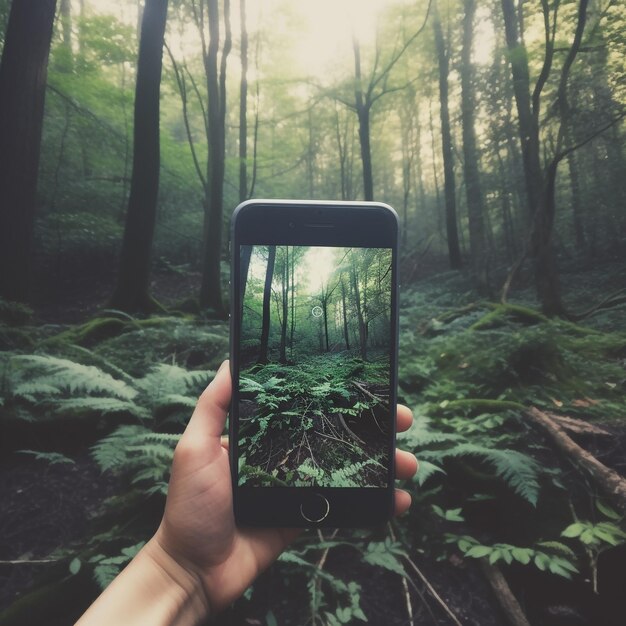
x: 53, y: 458
x: 139, y: 453
x: 56, y: 375
x: 517, y: 469
x: 99, y: 406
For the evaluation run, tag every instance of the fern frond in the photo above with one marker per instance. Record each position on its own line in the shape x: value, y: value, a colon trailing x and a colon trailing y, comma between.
x: 101, y: 406
x: 420, y: 434
x: 517, y: 469
x: 63, y: 375
x: 166, y: 379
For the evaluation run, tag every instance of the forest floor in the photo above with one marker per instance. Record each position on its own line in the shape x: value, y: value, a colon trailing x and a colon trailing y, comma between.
x: 47, y: 507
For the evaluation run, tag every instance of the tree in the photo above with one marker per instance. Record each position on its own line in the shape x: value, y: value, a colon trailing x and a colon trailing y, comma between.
x: 211, y: 286
x: 23, y: 73
x: 243, y: 106
x: 454, y: 253
x: 367, y: 93
x: 475, y: 205
x: 206, y: 17
x: 133, y: 281
x: 540, y: 181
x: 267, y: 295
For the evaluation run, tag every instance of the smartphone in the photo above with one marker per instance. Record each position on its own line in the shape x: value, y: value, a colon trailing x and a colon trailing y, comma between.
x: 314, y: 327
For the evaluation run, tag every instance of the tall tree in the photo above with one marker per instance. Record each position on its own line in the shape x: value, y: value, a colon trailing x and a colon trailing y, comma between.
x: 243, y: 105
x: 473, y: 191
x: 267, y: 295
x: 211, y: 287
x: 443, y: 59
x: 285, y: 306
x: 368, y: 91
x: 23, y: 74
x: 133, y: 281
x: 541, y: 182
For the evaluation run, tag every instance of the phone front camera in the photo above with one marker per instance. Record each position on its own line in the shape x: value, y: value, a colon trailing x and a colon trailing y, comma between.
x: 292, y: 224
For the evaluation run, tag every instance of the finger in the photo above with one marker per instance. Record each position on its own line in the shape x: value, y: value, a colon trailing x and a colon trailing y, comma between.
x: 406, y: 465
x: 404, y: 418
x: 208, y: 419
x: 224, y: 442
x: 402, y: 502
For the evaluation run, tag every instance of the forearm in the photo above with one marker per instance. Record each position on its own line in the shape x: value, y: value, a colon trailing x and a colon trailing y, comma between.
x: 153, y: 589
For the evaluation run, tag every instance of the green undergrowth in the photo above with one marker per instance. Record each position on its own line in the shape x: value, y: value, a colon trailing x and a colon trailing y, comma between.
x: 490, y: 486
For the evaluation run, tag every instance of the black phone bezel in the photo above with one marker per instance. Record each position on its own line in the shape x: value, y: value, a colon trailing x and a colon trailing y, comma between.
x: 297, y: 222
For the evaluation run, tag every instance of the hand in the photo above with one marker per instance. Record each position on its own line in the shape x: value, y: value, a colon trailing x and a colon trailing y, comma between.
x: 198, y: 529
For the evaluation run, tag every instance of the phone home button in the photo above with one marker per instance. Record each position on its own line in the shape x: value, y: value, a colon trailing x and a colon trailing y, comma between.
x: 315, y: 508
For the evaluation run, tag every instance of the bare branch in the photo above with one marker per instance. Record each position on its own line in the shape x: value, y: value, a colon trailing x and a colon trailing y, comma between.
x: 182, y: 88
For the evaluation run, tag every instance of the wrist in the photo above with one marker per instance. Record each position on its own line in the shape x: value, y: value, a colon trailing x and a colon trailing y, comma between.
x: 183, y: 586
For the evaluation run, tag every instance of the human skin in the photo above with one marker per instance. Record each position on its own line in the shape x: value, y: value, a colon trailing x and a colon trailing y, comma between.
x: 199, y: 561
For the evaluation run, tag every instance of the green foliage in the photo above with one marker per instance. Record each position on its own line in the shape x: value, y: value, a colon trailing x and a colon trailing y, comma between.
x: 558, y: 560
x: 53, y: 458
x: 106, y: 568
x: 478, y: 438
x: 138, y: 453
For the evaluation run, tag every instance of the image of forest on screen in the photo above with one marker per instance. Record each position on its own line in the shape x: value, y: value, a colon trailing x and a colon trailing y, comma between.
x: 314, y: 380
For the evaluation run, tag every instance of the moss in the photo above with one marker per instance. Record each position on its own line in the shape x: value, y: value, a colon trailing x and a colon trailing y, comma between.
x: 500, y: 311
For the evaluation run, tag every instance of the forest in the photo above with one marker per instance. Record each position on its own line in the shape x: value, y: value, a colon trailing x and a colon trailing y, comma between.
x: 315, y: 413
x: 130, y: 130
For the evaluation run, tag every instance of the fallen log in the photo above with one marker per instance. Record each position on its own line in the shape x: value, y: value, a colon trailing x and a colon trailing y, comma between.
x: 612, y: 483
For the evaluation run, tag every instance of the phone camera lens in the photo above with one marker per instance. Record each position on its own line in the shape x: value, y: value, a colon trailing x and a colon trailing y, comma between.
x: 292, y: 224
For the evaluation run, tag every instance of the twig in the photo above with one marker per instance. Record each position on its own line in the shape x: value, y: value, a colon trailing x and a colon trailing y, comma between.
x: 435, y: 595
x: 367, y: 393
x: 405, y: 586
x: 320, y: 566
x: 29, y: 561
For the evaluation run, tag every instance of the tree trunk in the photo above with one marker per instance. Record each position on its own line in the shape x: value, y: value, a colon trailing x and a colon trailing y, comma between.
x: 610, y: 482
x: 293, y: 302
x: 359, y: 313
x: 243, y: 106
x: 23, y: 73
x: 345, y: 315
x: 363, y: 113
x: 527, y: 124
x: 66, y: 31
x: 267, y: 294
x: 244, y: 265
x: 473, y: 191
x: 133, y: 281
x: 211, y: 286
x: 454, y: 253
x: 577, y: 219
x: 285, y: 302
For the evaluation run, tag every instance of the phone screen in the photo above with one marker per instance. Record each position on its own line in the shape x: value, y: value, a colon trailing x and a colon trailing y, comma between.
x: 314, y: 366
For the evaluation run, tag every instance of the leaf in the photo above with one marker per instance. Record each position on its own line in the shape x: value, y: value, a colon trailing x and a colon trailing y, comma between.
x: 541, y: 561
x: 573, y: 530
x: 54, y: 458
x: 425, y: 470
x: 270, y: 619
x: 378, y: 554
x: 495, y: 555
x: 607, y: 511
x: 522, y: 555
x: 75, y: 565
x: 478, y: 552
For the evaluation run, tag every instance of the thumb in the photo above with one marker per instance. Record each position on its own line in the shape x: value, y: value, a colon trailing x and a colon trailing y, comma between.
x: 209, y: 417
